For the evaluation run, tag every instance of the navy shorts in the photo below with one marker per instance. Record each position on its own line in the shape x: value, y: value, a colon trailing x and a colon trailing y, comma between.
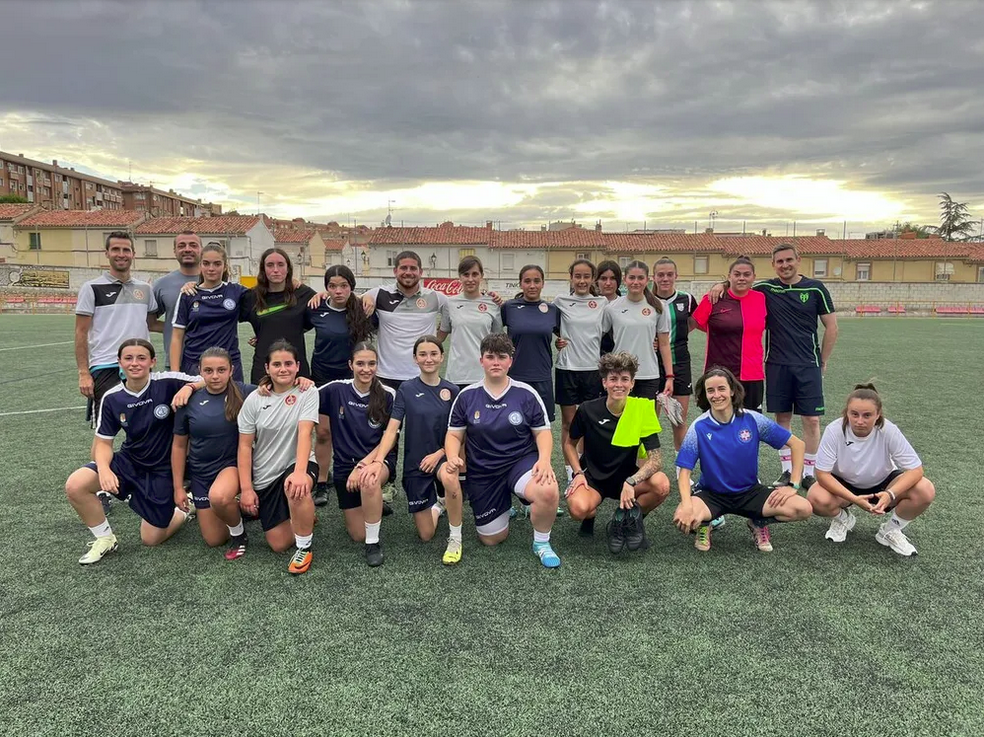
x: 577, y: 387
x: 321, y: 376
x: 749, y: 503
x: 422, y: 490
x: 796, y: 389
x: 149, y: 494
x: 193, y: 368
x: 491, y: 496
x: 340, y: 476
x: 753, y: 394
x: 274, y: 508
x: 198, y: 488
x: 546, y: 391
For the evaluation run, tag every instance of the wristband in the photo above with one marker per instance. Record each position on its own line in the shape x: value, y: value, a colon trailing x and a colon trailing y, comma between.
x: 796, y: 486
x: 576, y: 474
x: 891, y: 494
x: 670, y: 376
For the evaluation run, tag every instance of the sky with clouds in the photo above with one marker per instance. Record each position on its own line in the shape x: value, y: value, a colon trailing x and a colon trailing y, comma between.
x: 518, y: 112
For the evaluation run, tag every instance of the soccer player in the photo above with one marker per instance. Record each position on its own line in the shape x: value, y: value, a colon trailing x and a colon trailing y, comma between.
x: 725, y: 441
x: 422, y: 408
x: 204, y: 450
x: 468, y: 317
x: 609, y: 284
x: 277, y: 469
x: 167, y: 289
x: 681, y: 307
x: 277, y: 309
x: 865, y: 460
x: 639, y: 321
x: 503, y: 424
x: 339, y: 322
x: 613, y: 428
x: 209, y: 317
x: 531, y: 324
x: 140, y: 471
x: 358, y: 410
x: 734, y: 326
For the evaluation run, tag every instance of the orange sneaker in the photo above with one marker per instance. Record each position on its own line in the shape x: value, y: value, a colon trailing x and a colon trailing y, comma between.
x: 301, y: 561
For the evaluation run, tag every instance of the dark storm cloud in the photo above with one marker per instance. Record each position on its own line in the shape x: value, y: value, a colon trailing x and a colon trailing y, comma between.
x: 884, y: 94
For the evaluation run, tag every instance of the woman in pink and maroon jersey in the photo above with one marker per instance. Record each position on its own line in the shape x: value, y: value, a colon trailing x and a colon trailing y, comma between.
x: 735, y: 326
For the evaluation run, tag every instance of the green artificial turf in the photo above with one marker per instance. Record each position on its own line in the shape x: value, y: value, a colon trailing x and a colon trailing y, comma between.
x: 813, y: 639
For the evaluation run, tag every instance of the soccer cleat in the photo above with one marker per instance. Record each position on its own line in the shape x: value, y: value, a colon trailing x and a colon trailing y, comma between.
x: 718, y: 522
x: 616, y: 532
x: 440, y: 506
x: 374, y: 554
x: 513, y: 513
x: 389, y: 492
x: 560, y: 511
x: 703, y: 539
x: 672, y: 408
x: 387, y: 510
x: 192, y: 510
x: 237, y: 547
x: 320, y: 495
x: 634, y: 529
x: 547, y: 556
x: 452, y: 555
x: 783, y: 480
x: 807, y: 482
x: 837, y: 532
x: 895, y: 539
x: 105, y: 498
x: 99, y: 549
x: 301, y: 561
x: 587, y: 527
x: 761, y: 537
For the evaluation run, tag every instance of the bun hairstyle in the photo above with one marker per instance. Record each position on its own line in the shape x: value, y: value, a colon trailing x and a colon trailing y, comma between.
x: 360, y: 327
x: 737, y: 390
x: 377, y: 394
x: 233, y: 397
x: 868, y: 393
x: 212, y: 246
x: 742, y: 260
x: 652, y: 299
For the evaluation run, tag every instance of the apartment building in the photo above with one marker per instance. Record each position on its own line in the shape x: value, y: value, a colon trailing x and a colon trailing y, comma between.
x: 160, y: 204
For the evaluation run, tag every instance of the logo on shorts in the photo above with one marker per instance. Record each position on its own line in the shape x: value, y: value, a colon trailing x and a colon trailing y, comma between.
x: 138, y: 294
x: 804, y: 297
x: 592, y: 305
x: 445, y: 395
x: 482, y: 307
x: 543, y: 307
x: 123, y: 419
x: 421, y: 303
x: 290, y: 400
x: 161, y: 411
x: 515, y: 418
x: 230, y: 304
x: 194, y: 307
x: 745, y: 436
x: 646, y: 312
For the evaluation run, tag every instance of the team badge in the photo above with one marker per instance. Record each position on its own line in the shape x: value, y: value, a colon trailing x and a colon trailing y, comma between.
x: 123, y: 419
x: 592, y: 305
x: 194, y: 307
x: 341, y: 412
x: 421, y: 303
x: 543, y: 307
x: 477, y: 415
x: 744, y: 436
x: 804, y: 297
x: 445, y: 395
x: 515, y: 418
x: 138, y: 294
x: 646, y: 312
x: 229, y: 304
x: 482, y: 307
x: 680, y: 306
x: 290, y: 400
x: 161, y: 411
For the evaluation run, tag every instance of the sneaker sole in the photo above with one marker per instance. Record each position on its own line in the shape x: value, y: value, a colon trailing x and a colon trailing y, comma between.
x: 295, y: 571
x: 888, y: 544
x: 116, y: 546
x: 451, y: 561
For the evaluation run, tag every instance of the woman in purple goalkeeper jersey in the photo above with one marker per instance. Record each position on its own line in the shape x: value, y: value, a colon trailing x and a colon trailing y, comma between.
x: 503, y: 426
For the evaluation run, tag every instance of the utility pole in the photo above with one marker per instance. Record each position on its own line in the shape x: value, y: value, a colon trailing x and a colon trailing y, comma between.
x: 258, y: 202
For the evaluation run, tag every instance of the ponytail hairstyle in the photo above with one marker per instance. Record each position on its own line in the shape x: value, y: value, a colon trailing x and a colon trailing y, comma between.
x: 377, y: 394
x: 652, y: 299
x: 135, y: 343
x: 737, y: 390
x: 593, y: 290
x: 663, y: 261
x: 868, y: 393
x: 217, y: 248
x: 468, y: 263
x: 616, y: 270
x: 233, y: 397
x: 263, y: 285
x: 742, y: 260
x: 360, y: 328
x: 528, y: 267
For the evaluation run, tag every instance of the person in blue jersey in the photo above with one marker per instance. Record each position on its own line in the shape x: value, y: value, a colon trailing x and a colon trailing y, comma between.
x: 609, y: 285
x: 358, y: 410
x: 503, y: 426
x: 140, y: 471
x: 422, y: 408
x: 204, y: 450
x: 468, y: 317
x: 339, y: 322
x: 725, y: 441
x: 531, y: 324
x: 582, y: 313
x: 208, y: 318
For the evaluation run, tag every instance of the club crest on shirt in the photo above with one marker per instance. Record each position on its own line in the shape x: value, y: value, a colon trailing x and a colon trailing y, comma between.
x: 194, y: 307
x: 341, y: 412
x: 290, y: 400
x: 477, y: 415
x: 445, y: 394
x: 482, y: 307
x: 745, y: 436
x: 421, y: 303
x: 515, y: 418
x: 804, y: 297
x: 543, y: 307
x: 123, y: 419
x: 592, y: 305
x: 680, y: 306
x: 229, y: 304
x: 138, y: 294
x: 646, y: 312
x: 161, y: 411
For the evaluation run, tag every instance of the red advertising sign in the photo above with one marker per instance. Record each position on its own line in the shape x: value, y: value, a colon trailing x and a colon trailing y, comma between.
x: 449, y: 287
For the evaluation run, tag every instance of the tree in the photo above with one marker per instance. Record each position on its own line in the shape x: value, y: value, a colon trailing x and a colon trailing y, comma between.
x: 955, y: 220
x: 921, y: 231
x: 12, y: 199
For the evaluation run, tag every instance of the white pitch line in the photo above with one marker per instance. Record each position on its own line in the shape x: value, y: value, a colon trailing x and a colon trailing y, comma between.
x: 42, y: 345
x: 38, y: 411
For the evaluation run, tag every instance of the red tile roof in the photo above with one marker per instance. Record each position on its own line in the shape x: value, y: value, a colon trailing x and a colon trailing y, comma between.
x: 82, y: 219
x: 445, y: 234
x: 334, y: 245
x: 9, y: 211
x: 221, y: 225
x: 294, y: 235
x: 908, y: 248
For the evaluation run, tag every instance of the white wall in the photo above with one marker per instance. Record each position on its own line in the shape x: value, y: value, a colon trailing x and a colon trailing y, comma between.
x: 495, y: 260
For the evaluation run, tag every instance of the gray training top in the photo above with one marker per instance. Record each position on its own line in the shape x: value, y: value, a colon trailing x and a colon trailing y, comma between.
x: 272, y: 420
x: 468, y: 321
x: 167, y: 291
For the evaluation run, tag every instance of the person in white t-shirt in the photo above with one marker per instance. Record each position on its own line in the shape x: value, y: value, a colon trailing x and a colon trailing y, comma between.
x: 866, y: 461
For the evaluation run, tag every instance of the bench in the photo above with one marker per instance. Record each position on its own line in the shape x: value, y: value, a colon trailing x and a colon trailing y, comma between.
x: 896, y: 310
x: 867, y: 310
x: 953, y: 311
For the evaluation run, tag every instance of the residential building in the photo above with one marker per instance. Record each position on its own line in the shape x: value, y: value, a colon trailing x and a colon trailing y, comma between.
x: 158, y: 203
x: 244, y: 238
x: 56, y: 187
x: 69, y: 237
x: 10, y: 215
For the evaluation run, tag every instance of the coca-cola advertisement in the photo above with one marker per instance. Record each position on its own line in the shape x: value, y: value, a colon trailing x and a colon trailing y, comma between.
x: 449, y: 287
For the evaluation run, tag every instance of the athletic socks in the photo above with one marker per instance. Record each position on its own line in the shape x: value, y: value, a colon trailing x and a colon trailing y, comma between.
x: 786, y: 459
x: 897, y: 523
x: 455, y: 531
x: 237, y: 530
x: 303, y: 542
x: 809, y: 464
x: 541, y: 537
x: 103, y: 529
x: 372, y: 532
x: 843, y: 516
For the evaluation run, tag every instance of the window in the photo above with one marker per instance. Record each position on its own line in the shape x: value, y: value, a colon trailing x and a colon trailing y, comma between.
x: 462, y: 252
x: 863, y: 272
x: 819, y: 267
x: 944, y: 270
x: 700, y: 264
x: 508, y: 262
x: 585, y: 256
x: 150, y: 248
x: 624, y: 261
x: 980, y: 274
x: 35, y: 241
x: 391, y: 258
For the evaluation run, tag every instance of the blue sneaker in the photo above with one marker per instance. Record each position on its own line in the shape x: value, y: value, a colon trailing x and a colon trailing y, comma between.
x: 512, y: 512
x: 547, y: 556
x: 718, y: 522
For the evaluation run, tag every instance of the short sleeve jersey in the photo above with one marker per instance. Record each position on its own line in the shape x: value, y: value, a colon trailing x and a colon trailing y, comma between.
x: 275, y: 321
x: 167, y: 291
x: 145, y: 418
x: 734, y: 326
x: 118, y: 311
x: 498, y: 430
x: 213, y: 441
x: 273, y: 420
x: 605, y: 463
x: 332, y: 340
x: 728, y: 453
x: 581, y: 326
x: 210, y: 318
x: 401, y: 320
x: 423, y: 411
x: 531, y: 326
x: 634, y: 327
x: 791, y: 326
x: 468, y: 321
x: 865, y: 462
x: 681, y: 307
x: 353, y: 434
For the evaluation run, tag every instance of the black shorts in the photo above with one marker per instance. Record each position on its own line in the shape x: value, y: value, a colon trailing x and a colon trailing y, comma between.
x: 348, y: 499
x: 608, y: 490
x: 874, y: 489
x: 320, y: 377
x: 749, y: 503
x: 546, y: 391
x: 103, y: 380
x: 577, y: 387
x: 796, y: 389
x: 422, y: 490
x: 274, y: 508
x: 393, y: 384
x: 683, y: 383
x: 754, y: 391
x: 647, y: 388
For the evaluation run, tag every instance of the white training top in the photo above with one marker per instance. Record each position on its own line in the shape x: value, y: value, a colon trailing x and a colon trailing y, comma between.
x: 468, y: 321
x: 580, y: 326
x: 865, y: 462
x: 634, y: 326
x: 272, y: 420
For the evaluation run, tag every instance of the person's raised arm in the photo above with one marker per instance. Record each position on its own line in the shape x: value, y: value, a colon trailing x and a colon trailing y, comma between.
x: 830, y: 331
x: 82, y: 325
x: 154, y: 323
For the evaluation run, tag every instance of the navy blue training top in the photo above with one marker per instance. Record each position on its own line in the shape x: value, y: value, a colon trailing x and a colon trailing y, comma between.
x: 353, y: 435
x: 424, y: 411
x: 531, y: 326
x: 210, y: 318
x: 213, y: 440
x: 332, y: 340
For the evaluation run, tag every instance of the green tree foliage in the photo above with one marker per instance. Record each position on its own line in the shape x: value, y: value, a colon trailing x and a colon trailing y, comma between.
x: 955, y: 221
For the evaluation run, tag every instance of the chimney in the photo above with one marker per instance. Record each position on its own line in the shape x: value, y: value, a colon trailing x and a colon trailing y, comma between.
x: 598, y: 227
x: 709, y: 231
x: 488, y: 224
x: 763, y: 232
x: 821, y: 231
x: 54, y: 162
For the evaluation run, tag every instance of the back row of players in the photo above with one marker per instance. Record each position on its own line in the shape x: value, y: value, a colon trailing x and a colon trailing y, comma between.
x: 363, y: 389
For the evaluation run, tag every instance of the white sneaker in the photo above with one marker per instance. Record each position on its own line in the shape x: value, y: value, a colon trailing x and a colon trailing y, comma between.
x: 896, y: 540
x: 837, y: 532
x: 98, y: 549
